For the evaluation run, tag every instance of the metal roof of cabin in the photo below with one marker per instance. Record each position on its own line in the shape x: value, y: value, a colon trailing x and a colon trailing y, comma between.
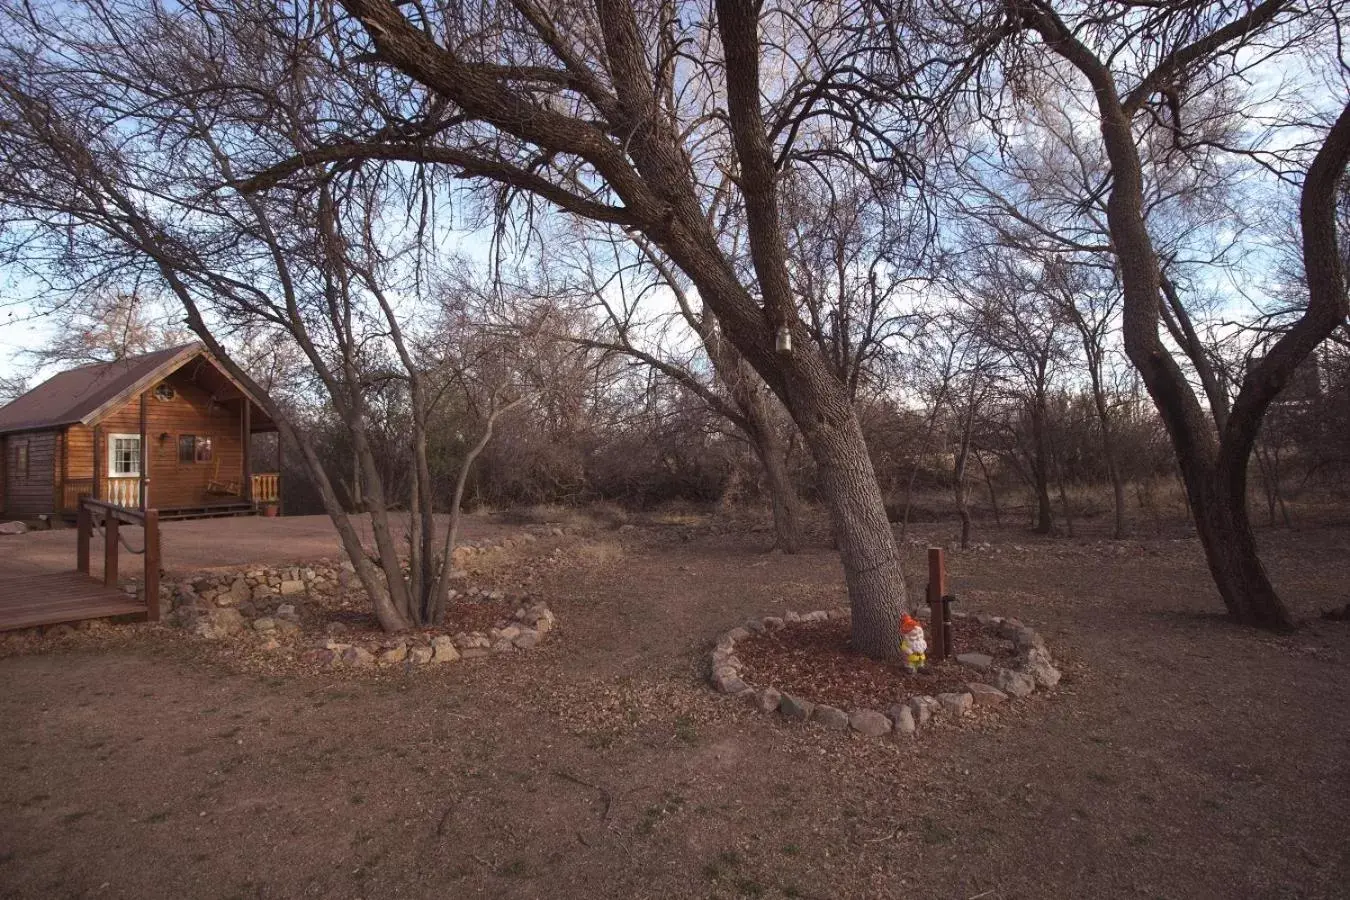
x: 84, y: 394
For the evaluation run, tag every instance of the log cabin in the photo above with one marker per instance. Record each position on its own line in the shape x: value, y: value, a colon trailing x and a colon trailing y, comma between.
x: 169, y: 430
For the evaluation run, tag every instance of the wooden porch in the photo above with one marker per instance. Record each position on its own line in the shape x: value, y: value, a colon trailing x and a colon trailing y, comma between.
x: 31, y: 599
x: 54, y: 598
x: 264, y: 488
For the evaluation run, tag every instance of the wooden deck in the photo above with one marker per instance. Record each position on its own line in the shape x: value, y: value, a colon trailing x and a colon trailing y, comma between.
x: 50, y: 598
x: 215, y: 509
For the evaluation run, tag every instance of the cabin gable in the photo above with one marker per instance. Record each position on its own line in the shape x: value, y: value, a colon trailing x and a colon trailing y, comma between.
x: 184, y: 411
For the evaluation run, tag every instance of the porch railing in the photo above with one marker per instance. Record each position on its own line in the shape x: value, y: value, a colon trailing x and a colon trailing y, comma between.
x: 111, y: 516
x: 124, y: 492
x: 74, y: 490
x: 266, y: 487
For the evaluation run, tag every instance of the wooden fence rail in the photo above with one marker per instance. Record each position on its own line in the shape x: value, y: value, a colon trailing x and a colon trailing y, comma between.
x: 112, y: 516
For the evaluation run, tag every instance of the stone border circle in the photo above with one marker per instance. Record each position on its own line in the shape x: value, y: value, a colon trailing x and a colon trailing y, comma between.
x: 992, y: 686
x: 262, y: 601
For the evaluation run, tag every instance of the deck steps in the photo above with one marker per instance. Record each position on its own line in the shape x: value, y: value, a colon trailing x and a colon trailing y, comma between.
x: 209, y: 511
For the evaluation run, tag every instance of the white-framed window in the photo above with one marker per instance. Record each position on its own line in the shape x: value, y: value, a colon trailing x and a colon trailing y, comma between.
x: 124, y: 455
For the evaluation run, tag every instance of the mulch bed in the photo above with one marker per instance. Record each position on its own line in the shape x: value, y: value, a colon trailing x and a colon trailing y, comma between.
x: 814, y: 660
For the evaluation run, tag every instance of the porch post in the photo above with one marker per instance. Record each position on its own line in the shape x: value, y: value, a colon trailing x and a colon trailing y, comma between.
x: 280, y: 444
x: 110, y: 528
x: 151, y: 580
x: 247, y: 437
x: 144, y: 498
x: 98, y: 461
x: 85, y: 525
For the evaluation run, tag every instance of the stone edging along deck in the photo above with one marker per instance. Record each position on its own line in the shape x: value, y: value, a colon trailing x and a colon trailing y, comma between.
x: 1034, y: 669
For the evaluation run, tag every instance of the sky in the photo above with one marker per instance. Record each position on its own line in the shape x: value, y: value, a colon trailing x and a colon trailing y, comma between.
x: 19, y: 329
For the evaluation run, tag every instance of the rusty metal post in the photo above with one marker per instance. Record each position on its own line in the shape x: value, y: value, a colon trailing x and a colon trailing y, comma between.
x: 937, y: 587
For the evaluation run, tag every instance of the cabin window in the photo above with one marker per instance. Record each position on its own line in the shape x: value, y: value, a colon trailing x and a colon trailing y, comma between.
x: 21, y: 459
x: 124, y: 455
x: 193, y: 448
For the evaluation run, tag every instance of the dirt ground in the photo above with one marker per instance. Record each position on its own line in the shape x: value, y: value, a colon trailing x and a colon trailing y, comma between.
x: 1181, y: 756
x: 194, y: 544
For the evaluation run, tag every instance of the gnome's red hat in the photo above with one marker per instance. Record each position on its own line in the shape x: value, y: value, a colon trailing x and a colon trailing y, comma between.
x: 908, y: 623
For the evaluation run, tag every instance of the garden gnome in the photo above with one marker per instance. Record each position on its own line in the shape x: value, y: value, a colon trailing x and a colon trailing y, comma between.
x: 912, y: 645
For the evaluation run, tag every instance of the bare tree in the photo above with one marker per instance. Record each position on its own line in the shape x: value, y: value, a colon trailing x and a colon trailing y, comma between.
x: 1149, y: 66
x: 1007, y: 310
x: 631, y: 115
x: 111, y: 161
x: 733, y: 391
x: 105, y: 327
x: 1089, y: 299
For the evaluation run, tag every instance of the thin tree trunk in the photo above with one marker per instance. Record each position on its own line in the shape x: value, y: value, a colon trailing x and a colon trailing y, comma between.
x: 386, y: 612
x: 989, y: 485
x: 385, y: 545
x: 959, y: 486
x: 1063, y: 493
x: 1121, y: 529
x: 442, y: 592
x: 415, y: 527
x: 772, y: 453
x: 1040, y: 475
x: 1104, y: 425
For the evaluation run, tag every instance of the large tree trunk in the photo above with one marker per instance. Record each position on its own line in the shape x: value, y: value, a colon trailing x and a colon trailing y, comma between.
x: 1219, y: 505
x: 867, y: 548
x: 817, y: 401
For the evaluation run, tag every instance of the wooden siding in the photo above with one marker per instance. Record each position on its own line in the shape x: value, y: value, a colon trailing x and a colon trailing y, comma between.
x: 191, y: 411
x: 30, y: 495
